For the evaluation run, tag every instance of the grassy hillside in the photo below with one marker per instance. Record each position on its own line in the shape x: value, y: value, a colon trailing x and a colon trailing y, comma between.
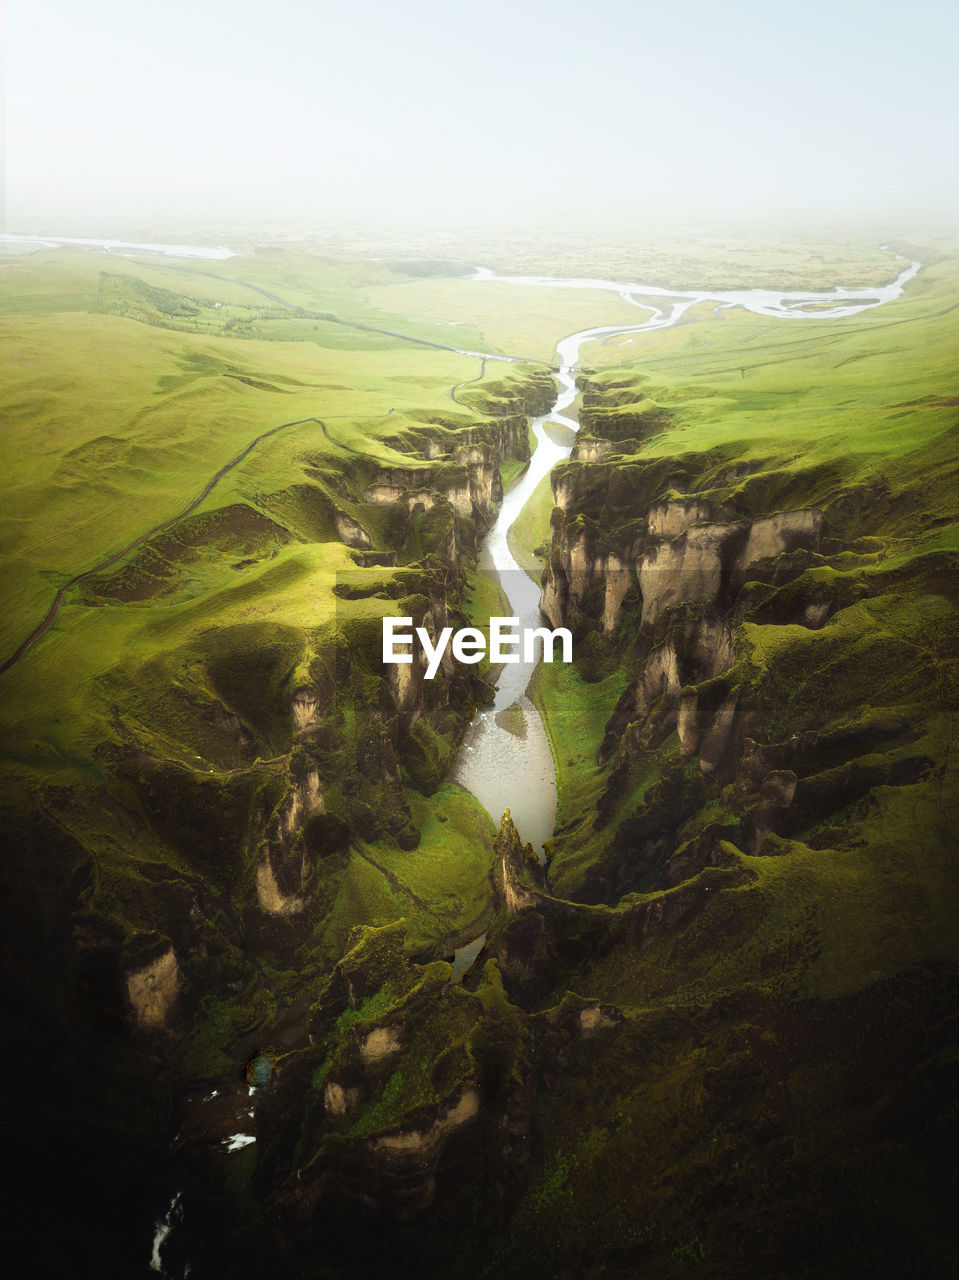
x: 158, y: 789
x: 718, y: 1031
x: 857, y: 416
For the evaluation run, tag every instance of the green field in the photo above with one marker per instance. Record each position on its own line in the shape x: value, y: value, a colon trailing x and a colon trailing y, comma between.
x: 127, y: 386
x: 723, y: 1017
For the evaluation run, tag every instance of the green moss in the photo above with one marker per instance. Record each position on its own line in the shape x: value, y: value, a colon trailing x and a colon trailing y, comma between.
x: 512, y: 720
x: 528, y: 535
x: 511, y: 469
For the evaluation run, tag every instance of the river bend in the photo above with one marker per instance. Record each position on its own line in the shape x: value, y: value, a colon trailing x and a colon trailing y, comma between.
x: 506, y: 769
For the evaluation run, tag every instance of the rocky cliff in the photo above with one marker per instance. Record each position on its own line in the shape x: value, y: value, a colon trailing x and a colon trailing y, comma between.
x: 196, y: 880
x: 290, y: 1006
x: 673, y: 568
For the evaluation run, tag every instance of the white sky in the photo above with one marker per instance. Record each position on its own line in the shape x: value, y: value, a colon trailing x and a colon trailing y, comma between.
x: 427, y: 109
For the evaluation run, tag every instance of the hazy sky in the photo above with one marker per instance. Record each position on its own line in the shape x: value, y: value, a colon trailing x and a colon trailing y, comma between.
x: 287, y: 109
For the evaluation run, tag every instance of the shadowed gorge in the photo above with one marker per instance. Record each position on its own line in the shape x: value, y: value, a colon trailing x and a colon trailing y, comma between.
x: 292, y: 1000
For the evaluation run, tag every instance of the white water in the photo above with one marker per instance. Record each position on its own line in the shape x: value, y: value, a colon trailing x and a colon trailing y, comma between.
x: 163, y: 1229
x: 238, y: 1140
x: 503, y: 770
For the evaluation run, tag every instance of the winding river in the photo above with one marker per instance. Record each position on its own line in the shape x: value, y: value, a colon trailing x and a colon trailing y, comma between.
x: 124, y: 247
x: 505, y: 760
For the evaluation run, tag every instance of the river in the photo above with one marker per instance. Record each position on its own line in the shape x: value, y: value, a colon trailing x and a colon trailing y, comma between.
x: 503, y: 768
x: 123, y: 247
x: 505, y: 761
x: 506, y: 769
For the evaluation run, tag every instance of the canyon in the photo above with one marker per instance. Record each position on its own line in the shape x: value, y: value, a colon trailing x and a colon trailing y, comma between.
x: 705, y: 1011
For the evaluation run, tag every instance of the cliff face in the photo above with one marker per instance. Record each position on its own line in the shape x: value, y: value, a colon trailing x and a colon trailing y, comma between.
x: 337, y: 739
x: 449, y: 493
x: 678, y: 1010
x: 656, y: 563
x: 715, y: 1034
x: 769, y: 644
x: 404, y: 1064
x: 470, y: 483
x: 671, y: 551
x: 199, y: 875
